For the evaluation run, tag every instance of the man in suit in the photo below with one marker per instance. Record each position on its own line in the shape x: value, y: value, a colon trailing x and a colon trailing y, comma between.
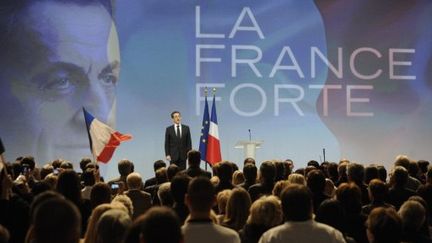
x: 177, y: 141
x: 194, y: 170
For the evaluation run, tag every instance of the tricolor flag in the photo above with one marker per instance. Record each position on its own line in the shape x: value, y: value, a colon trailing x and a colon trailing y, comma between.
x: 103, y: 139
x: 204, y: 131
x: 213, y: 155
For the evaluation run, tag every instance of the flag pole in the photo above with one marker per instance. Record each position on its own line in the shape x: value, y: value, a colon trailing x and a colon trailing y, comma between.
x: 206, y: 93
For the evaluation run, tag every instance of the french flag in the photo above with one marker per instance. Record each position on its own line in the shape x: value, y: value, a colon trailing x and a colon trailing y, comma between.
x: 213, y: 145
x: 103, y: 139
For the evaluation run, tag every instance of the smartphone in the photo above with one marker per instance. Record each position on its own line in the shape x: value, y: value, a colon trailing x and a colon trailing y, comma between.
x: 114, y: 186
x: 55, y: 171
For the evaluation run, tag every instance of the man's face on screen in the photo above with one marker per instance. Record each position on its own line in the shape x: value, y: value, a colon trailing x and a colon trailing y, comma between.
x: 67, y: 58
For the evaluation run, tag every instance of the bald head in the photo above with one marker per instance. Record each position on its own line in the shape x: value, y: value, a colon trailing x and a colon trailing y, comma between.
x: 134, y: 181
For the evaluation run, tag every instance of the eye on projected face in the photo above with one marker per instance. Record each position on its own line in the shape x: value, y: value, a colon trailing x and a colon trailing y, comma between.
x: 73, y: 62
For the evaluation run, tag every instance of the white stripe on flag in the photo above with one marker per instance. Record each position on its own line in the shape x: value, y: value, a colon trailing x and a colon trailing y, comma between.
x: 100, y: 134
x: 213, y: 130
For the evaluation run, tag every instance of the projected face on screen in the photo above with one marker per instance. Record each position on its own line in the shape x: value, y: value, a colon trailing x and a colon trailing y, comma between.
x: 61, y: 57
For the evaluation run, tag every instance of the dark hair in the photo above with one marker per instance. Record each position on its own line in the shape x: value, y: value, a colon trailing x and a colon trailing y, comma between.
x: 423, y: 165
x: 355, y: 173
x: 100, y: 193
x: 268, y: 171
x: 125, y: 167
x: 172, y: 171
x: 69, y: 186
x: 313, y: 163
x: 179, y: 186
x: 400, y: 176
x: 194, y: 157
x: 88, y: 178
x: 225, y: 171
x: 28, y: 161
x: 296, y: 203
x: 159, y: 224
x: 83, y: 163
x: 201, y: 194
x: 382, y: 173
x: 174, y: 112
x: 378, y: 190
x: 249, y: 161
x: 56, y: 219
x: 349, y: 194
x: 370, y: 172
x: 331, y: 212
x: 158, y: 164
x: 250, y: 172
x: 385, y: 225
x: 316, y: 181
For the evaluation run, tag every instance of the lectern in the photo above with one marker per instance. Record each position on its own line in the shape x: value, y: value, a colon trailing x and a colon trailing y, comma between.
x: 249, y: 147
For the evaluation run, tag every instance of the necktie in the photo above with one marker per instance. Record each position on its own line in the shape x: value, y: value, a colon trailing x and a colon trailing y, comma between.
x: 178, y: 131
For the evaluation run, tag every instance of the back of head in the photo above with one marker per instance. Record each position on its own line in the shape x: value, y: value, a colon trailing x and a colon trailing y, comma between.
x: 400, y: 176
x: 56, y: 220
x: 134, y: 181
x: 88, y: 178
x: 125, y: 167
x: 313, y: 163
x: 100, y: 193
x: 194, y: 157
x: 250, y: 172
x: 28, y: 161
x: 200, y: 194
x: 83, y: 163
x: 297, y: 179
x: 161, y: 175
x: 384, y: 226
x: 355, y: 173
x: 296, y: 203
x: 268, y: 171
x: 158, y: 164
x: 349, y: 194
x: 377, y: 190
x: 423, y: 165
x: 172, y: 170
x: 164, y: 194
x: 316, y: 181
x: 330, y: 212
x: 370, y: 173
x: 225, y: 171
x: 412, y: 214
x: 179, y: 187
x: 382, y: 173
x: 112, y: 226
x: 265, y: 211
x: 159, y: 224
x: 125, y: 201
x: 249, y: 161
x: 402, y: 160
x: 69, y: 185
x: 237, y: 209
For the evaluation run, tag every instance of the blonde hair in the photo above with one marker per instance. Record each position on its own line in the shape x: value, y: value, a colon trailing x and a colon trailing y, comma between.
x: 278, y: 187
x: 237, y: 209
x: 125, y: 201
x: 297, y: 179
x: 266, y: 211
x: 222, y: 199
x: 238, y: 177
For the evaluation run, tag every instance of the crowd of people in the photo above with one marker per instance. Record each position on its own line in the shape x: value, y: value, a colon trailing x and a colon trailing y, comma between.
x: 272, y: 202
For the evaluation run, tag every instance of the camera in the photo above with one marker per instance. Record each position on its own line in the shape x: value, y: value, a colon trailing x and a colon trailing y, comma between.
x: 114, y: 186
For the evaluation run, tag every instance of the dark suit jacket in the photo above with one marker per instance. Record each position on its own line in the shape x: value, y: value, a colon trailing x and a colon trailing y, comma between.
x: 141, y: 201
x: 175, y: 147
x: 196, y: 171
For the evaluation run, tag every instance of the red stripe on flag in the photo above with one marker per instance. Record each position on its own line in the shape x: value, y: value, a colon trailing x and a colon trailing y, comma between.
x: 112, y: 144
x: 213, y: 150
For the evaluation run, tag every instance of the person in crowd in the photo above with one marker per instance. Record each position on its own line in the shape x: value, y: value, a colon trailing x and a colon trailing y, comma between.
x: 161, y: 177
x: 331, y: 212
x: 164, y: 195
x: 267, y: 181
x: 355, y: 173
x: 332, y: 172
x: 249, y: 160
x: 100, y: 193
x: 156, y: 166
x: 425, y: 191
x: 91, y: 233
x: 84, y: 162
x: 349, y: 194
x: 125, y: 201
x: 221, y: 203
x: 112, y: 226
x: 316, y: 183
x: 125, y: 167
x: 55, y: 220
x: 370, y: 173
x: 159, y: 224
x: 250, y: 175
x: 279, y: 187
x: 69, y: 186
x: 194, y: 161
x: 299, y: 225
x: 412, y: 182
x: 265, y: 213
x: 382, y: 173
x: 342, y: 172
x: 413, y: 216
x: 399, y: 192
x: 88, y: 181
x: 238, y: 178
x: 378, y: 193
x: 141, y: 200
x: 423, y: 168
x: 200, y: 199
x: 384, y: 226
x: 281, y: 173
x: 225, y: 172
x: 179, y: 186
x: 237, y: 209
x: 172, y: 170
x: 297, y: 179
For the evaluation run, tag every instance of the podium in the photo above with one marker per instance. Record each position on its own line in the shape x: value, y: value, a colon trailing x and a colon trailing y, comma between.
x: 249, y: 147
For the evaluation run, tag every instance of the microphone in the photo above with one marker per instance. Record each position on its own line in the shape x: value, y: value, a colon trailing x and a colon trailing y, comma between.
x: 324, y: 154
x: 250, y: 135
